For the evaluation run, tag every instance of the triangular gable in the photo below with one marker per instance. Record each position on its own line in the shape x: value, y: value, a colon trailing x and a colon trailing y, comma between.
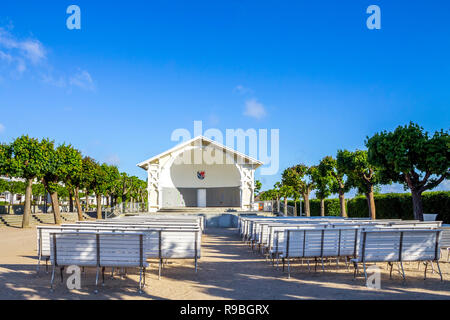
x: 251, y: 160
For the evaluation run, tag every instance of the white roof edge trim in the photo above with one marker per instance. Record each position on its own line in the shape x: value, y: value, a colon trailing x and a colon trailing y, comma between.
x: 186, y: 143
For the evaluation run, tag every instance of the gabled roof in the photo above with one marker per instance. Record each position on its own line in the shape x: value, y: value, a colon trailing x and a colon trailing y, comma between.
x: 251, y: 160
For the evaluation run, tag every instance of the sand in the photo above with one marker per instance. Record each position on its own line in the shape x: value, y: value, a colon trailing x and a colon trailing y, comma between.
x: 228, y: 269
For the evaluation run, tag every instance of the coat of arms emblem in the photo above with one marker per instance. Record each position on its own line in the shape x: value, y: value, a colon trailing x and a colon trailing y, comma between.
x: 201, y: 175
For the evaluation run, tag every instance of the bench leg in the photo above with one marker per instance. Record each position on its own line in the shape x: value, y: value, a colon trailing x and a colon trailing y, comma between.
x: 283, y: 261
x: 103, y: 276
x: 425, y: 273
x: 289, y: 267
x: 323, y: 267
x: 140, y: 280
x: 403, y: 271
x: 96, y: 280
x: 38, y: 264
x: 439, y: 269
x: 390, y: 271
x: 355, y: 271
x: 145, y: 281
x: 53, y: 278
x: 159, y: 269
x: 365, y: 270
x: 195, y: 264
x: 61, y: 273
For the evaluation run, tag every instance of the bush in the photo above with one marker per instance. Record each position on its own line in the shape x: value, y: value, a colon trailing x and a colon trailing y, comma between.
x: 388, y: 206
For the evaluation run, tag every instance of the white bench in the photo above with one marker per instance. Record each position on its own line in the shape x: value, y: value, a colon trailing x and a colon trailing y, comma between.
x: 99, y: 250
x: 445, y: 240
x: 398, y: 245
x: 319, y: 243
x: 161, y: 243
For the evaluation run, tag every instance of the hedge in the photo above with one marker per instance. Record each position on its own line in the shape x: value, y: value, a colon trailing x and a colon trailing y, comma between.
x: 388, y: 206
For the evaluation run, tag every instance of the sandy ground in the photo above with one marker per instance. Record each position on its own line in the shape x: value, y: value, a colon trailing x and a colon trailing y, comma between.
x: 227, y: 270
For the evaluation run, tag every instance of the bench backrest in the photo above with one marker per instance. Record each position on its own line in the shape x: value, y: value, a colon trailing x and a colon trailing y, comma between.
x: 97, y: 249
x: 399, y: 245
x: 320, y: 242
x: 445, y: 237
x: 182, y: 243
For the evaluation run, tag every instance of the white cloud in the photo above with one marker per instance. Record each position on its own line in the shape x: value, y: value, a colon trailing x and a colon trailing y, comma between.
x: 242, y: 90
x: 83, y: 80
x: 113, y: 160
x: 20, y: 53
x: 254, y: 109
x: 2, y: 128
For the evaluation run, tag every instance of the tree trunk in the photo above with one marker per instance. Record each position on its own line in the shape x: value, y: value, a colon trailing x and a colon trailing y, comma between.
x: 87, y: 201
x: 417, y: 205
x: 99, y: 206
x: 306, y: 199
x: 27, y: 209
x: 11, y: 200
x: 55, y: 207
x: 278, y: 205
x: 342, y: 203
x: 322, y: 207
x: 285, y: 207
x: 78, y: 205
x: 371, y: 201
x: 295, y: 208
x: 71, y: 201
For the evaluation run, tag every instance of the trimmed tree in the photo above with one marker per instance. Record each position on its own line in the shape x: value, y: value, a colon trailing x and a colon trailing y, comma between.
x: 101, y: 184
x: 53, y: 169
x: 285, y: 193
x: 408, y: 155
x: 71, y: 175
x: 323, y: 181
x: 89, y: 166
x: 258, y: 186
x: 362, y: 175
x: 340, y: 184
x: 27, y: 162
x: 299, y: 177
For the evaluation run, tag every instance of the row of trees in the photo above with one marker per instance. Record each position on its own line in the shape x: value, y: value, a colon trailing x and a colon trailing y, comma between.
x: 408, y: 155
x: 41, y: 161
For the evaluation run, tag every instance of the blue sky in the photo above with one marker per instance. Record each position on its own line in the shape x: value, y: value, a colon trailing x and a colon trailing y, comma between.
x: 137, y: 70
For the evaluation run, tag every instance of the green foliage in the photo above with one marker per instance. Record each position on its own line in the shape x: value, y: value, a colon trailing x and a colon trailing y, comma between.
x: 409, y: 156
x: 71, y: 166
x: 5, y: 159
x: 323, y: 180
x: 38, y: 190
x: 335, y: 175
x: 332, y: 207
x: 27, y: 159
x: 299, y: 177
x: 89, y: 166
x: 258, y: 186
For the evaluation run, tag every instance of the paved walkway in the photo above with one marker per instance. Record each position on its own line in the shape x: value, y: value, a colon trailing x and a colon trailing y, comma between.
x: 227, y: 270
